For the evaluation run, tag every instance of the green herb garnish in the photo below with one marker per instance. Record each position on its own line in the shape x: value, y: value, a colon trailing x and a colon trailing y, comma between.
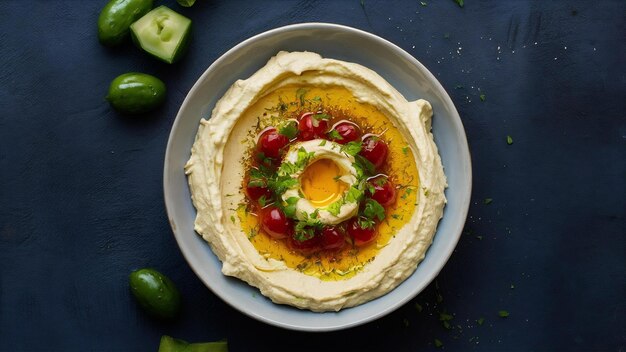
x: 482, y: 97
x: 319, y: 117
x: 480, y: 321
x: 503, y: 314
x: 459, y: 2
x: 353, y: 195
x: 405, y: 150
x: 334, y: 134
x: 322, y: 143
x: 290, y: 208
x: 373, y: 209
x: 419, y: 307
x: 438, y: 343
x: 300, y: 93
x: 509, y: 140
x: 289, y: 129
x: 335, y: 208
x: 488, y: 200
x: 365, y: 165
x: 352, y: 148
x: 365, y: 223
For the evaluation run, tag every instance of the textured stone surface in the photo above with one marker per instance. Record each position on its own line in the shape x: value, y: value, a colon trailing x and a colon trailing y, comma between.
x: 81, y: 197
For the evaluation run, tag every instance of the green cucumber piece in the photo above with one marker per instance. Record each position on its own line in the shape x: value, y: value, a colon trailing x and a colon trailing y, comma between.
x: 155, y: 292
x: 186, y: 3
x: 170, y: 344
x: 163, y: 33
x: 136, y: 93
x: 117, y: 16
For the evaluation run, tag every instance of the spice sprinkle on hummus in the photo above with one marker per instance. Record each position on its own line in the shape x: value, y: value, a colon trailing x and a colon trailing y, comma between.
x: 317, y: 182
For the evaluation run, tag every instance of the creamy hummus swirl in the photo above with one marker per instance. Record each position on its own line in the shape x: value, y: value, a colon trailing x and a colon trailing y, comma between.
x: 215, y: 186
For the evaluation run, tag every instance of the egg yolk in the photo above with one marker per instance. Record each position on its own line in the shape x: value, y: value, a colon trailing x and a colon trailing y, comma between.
x: 320, y: 183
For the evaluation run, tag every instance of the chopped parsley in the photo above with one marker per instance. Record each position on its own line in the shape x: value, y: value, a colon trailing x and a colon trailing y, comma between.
x: 438, y: 343
x: 460, y: 2
x: 300, y: 93
x: 365, y: 223
x: 482, y: 97
x: 289, y: 129
x: 290, y: 208
x: 335, y: 208
x: 405, y: 150
x: 445, y: 317
x: 419, y: 307
x: 488, y: 200
x: 407, y: 192
x: 373, y: 209
x: 305, y: 229
x: 322, y: 143
x: 321, y: 117
x: 232, y: 218
x: 353, y: 195
x: 282, y: 183
x: 509, y: 140
x: 364, y: 165
x: 351, y: 148
x: 503, y: 314
x: 334, y: 134
x: 256, y: 182
x: 480, y: 321
x: 262, y: 201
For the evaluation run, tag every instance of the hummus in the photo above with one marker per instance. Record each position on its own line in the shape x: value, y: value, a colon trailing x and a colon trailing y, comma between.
x: 217, y: 168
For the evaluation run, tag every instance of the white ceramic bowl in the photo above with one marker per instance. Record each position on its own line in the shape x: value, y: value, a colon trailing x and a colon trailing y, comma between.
x: 406, y: 74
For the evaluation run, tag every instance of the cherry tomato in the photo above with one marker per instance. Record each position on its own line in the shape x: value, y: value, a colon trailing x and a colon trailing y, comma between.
x: 275, y: 223
x: 384, y: 191
x: 257, y: 191
x: 271, y: 143
x: 361, y: 236
x: 348, y: 132
x: 311, y: 127
x: 307, y: 246
x: 332, y: 238
x: 375, y: 150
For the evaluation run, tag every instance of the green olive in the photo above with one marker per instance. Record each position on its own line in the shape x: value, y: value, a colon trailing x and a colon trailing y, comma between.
x: 155, y: 293
x: 117, y: 16
x: 136, y: 93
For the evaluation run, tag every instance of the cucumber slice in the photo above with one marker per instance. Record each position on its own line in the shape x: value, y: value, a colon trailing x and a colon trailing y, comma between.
x: 162, y: 33
x: 170, y: 344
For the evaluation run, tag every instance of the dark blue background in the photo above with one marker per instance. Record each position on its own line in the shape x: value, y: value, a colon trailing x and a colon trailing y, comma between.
x: 82, y: 205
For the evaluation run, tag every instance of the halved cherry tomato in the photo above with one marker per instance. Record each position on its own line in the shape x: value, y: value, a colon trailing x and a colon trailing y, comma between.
x: 307, y: 246
x: 271, y: 143
x: 255, y: 191
x: 374, y: 150
x: 361, y: 235
x: 349, y: 132
x: 384, y: 191
x: 275, y: 223
x: 332, y: 238
x: 311, y: 127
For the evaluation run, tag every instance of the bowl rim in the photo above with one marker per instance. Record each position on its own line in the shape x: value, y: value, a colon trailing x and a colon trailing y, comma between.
x: 467, y: 174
